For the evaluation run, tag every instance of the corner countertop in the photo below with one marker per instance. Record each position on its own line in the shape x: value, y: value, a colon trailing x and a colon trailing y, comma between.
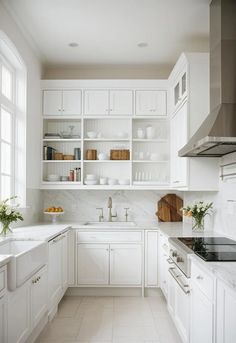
x: 180, y: 229
x: 4, y: 259
x: 225, y: 271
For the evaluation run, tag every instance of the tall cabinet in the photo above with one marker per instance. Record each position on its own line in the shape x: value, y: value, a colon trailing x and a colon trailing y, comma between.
x: 188, y: 106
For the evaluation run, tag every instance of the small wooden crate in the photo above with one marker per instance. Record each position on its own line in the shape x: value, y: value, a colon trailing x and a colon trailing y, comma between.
x: 58, y: 156
x: 119, y: 154
x: 91, y: 154
x: 68, y: 157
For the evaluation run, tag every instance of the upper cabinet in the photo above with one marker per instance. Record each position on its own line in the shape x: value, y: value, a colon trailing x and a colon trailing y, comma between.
x: 108, y: 102
x: 61, y: 102
x: 180, y: 88
x: 151, y: 103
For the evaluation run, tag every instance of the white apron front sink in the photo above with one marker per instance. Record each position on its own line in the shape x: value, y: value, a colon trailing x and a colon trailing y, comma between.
x: 27, y: 258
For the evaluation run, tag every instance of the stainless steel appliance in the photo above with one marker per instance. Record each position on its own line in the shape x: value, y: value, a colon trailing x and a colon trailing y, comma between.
x: 179, y: 264
x: 217, y: 134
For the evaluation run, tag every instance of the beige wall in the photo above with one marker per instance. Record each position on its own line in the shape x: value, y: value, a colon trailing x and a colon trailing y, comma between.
x: 106, y: 72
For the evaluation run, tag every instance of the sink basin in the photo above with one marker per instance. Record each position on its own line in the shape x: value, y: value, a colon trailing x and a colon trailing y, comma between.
x: 111, y: 224
x: 27, y: 258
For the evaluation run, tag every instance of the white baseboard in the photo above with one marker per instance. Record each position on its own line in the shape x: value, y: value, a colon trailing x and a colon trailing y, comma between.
x: 111, y: 292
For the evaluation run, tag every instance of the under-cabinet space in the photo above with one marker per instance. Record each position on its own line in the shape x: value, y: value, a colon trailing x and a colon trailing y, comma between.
x: 102, y: 129
x: 61, y: 151
x: 55, y: 129
x: 56, y: 172
x: 112, y: 173
x: 150, y: 152
x: 150, y: 129
x: 150, y: 173
x: 103, y: 150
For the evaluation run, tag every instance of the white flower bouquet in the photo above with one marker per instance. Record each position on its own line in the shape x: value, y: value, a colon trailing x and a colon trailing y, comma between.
x: 8, y: 214
x: 198, y: 211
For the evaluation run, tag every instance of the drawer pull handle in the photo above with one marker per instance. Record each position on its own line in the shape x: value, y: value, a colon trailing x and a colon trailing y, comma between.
x: 199, y: 277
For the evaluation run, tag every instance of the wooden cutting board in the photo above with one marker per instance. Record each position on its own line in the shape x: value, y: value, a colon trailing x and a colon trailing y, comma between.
x: 168, y: 208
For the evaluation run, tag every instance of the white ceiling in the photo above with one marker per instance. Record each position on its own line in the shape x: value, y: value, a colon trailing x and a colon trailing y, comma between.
x: 108, y: 31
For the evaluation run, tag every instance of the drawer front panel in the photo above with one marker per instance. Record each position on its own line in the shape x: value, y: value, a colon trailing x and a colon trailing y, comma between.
x: 204, y: 281
x: 103, y: 236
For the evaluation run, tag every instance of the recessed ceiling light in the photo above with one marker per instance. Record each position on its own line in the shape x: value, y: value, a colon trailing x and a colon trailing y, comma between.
x: 73, y: 45
x: 142, y: 45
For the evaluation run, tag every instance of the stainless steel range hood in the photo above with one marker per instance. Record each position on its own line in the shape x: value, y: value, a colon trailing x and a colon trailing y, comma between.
x: 217, y: 134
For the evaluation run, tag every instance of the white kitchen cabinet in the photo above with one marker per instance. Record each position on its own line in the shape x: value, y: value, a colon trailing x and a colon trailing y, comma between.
x: 96, y: 102
x: 202, y: 316
x: 18, y: 322
x: 71, y: 102
x: 125, y: 264
x: 39, y: 284
x: 179, y: 135
x: 180, y: 88
x: 108, y: 102
x: 61, y: 102
x: 151, y: 103
x: 171, y: 295
x: 151, y: 258
x: 54, y: 271
x: 121, y: 102
x: 182, y: 311
x: 3, y: 319
x: 93, y: 264
x: 226, y: 314
x: 65, y: 271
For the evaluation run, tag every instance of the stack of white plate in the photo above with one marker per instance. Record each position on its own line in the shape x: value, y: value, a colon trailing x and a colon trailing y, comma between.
x: 91, y: 179
x: 53, y: 178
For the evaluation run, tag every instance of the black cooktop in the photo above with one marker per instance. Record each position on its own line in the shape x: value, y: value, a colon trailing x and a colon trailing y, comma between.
x: 212, y: 248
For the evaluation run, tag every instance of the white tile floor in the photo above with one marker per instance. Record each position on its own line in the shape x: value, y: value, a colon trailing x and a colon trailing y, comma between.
x: 111, y: 320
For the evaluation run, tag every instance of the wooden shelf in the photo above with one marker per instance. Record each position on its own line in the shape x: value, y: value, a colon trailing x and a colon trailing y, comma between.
x: 62, y: 140
x: 61, y: 161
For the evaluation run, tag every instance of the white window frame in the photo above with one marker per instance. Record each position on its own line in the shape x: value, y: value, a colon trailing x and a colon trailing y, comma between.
x: 9, y: 105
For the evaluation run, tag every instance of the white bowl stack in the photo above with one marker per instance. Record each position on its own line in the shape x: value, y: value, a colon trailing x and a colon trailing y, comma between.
x: 91, y: 179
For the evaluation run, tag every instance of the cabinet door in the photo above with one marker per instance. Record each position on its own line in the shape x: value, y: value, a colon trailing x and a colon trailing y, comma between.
x: 65, y: 261
x: 171, y: 294
x: 125, y: 264
x: 182, y: 312
x: 3, y: 319
x: 178, y: 128
x: 121, y: 102
x: 151, y: 103
x: 55, y: 271
x: 93, y: 264
x: 201, y: 317
x: 38, y: 296
x: 52, y: 103
x: 151, y: 258
x: 96, y: 102
x: 226, y: 314
x: 19, y: 314
x: 71, y: 101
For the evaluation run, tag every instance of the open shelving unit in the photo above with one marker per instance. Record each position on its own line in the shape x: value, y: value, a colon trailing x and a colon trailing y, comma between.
x: 147, y: 168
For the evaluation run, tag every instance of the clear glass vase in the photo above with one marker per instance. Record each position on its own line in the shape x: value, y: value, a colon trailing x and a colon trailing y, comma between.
x: 5, y: 228
x: 198, y: 223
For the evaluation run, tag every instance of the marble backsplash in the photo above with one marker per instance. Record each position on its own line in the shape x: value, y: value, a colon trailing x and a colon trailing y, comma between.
x: 81, y: 205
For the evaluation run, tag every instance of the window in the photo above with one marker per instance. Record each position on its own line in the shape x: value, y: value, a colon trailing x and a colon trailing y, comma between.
x: 12, y: 122
x: 7, y: 134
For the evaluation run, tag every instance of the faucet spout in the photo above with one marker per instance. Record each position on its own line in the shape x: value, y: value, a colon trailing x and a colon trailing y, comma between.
x: 109, y: 205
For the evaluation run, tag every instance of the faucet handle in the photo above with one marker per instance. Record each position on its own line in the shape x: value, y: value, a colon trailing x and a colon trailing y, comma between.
x: 126, y: 213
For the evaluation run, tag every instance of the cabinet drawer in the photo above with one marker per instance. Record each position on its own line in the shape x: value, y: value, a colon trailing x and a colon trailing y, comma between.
x: 2, y: 279
x: 163, y: 242
x: 103, y: 236
x: 203, y: 280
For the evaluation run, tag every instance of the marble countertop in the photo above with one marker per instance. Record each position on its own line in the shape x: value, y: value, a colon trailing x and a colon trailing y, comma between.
x: 4, y: 259
x: 225, y: 271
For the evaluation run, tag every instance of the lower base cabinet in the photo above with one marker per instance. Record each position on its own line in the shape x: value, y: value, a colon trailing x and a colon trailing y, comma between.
x: 19, y: 314
x: 109, y: 264
x: 225, y: 314
x: 202, y: 315
x: 3, y: 319
x: 93, y: 264
x: 38, y: 296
